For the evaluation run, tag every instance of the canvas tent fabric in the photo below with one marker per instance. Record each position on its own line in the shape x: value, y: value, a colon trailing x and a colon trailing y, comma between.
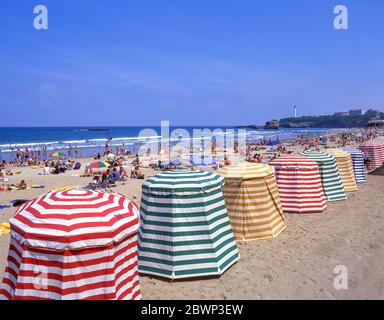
x: 373, y: 151
x: 252, y: 200
x: 358, y: 164
x: 202, y: 160
x: 330, y: 176
x: 299, y: 184
x: 345, y: 166
x: 73, y: 244
x: 185, y: 229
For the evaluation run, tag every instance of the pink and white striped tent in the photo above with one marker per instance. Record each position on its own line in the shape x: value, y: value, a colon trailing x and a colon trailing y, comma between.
x: 299, y: 183
x: 374, y: 151
x: 74, y: 244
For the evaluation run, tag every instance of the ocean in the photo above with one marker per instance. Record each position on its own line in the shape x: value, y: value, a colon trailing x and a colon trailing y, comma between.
x: 85, y: 141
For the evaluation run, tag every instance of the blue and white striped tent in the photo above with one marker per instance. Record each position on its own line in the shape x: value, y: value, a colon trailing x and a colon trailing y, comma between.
x: 358, y: 163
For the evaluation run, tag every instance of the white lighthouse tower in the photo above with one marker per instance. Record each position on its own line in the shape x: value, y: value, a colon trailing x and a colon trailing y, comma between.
x: 295, y: 111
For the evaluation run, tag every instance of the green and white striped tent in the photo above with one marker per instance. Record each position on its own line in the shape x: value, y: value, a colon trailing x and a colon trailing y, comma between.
x: 185, y: 228
x: 330, y: 176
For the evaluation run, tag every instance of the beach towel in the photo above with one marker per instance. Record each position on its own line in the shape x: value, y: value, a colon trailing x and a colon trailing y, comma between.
x: 5, y: 228
x: 64, y: 188
x: 37, y: 186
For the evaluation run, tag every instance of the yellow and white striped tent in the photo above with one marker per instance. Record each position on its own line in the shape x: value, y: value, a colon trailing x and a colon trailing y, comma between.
x: 252, y: 200
x: 345, y: 166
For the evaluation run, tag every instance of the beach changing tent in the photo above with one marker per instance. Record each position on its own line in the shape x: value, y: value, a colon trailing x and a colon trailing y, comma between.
x: 185, y: 229
x: 202, y: 160
x: 374, y: 151
x: 252, y: 200
x: 345, y: 166
x: 299, y: 183
x: 330, y: 176
x: 74, y: 244
x: 358, y: 163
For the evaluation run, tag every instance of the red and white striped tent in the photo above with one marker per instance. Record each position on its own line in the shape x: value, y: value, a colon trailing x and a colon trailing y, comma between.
x: 299, y: 184
x: 73, y: 244
x: 374, y: 151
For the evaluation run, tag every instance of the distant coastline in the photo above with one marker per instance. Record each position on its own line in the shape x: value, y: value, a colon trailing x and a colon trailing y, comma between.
x: 341, y: 120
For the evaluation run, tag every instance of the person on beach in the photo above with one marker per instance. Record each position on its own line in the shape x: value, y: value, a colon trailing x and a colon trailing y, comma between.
x: 123, y: 173
x: 106, y: 174
x: 115, y: 175
x: 227, y: 162
x: 22, y: 185
x: 134, y: 202
x: 4, y: 164
x: 136, y: 173
x: 136, y: 161
x: 4, y: 187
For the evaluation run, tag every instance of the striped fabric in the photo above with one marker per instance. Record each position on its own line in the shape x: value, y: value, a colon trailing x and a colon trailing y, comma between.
x: 299, y: 183
x: 330, y: 176
x: 73, y: 244
x: 185, y: 229
x: 358, y: 164
x: 252, y: 200
x: 374, y: 151
x: 345, y: 166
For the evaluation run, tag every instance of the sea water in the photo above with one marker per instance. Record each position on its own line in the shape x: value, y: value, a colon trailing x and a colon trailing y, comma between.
x: 83, y: 141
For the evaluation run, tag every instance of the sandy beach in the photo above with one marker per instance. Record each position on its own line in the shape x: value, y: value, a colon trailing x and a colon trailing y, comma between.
x: 298, y: 264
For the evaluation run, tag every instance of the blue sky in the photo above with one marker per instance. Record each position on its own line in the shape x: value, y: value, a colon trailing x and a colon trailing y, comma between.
x: 200, y: 62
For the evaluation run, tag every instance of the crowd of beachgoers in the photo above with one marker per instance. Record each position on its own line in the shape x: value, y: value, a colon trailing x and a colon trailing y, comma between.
x: 121, y: 165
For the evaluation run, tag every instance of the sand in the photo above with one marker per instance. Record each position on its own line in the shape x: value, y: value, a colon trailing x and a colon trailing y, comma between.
x: 298, y: 264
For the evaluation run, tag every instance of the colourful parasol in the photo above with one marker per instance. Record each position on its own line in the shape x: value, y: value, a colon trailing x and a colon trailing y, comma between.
x: 57, y: 154
x: 99, y: 165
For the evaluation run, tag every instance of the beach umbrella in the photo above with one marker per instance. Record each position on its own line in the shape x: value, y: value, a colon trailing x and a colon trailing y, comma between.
x: 57, y: 154
x: 345, y: 166
x: 374, y: 151
x: 330, y: 176
x: 184, y: 226
x: 253, y: 201
x: 74, y: 244
x: 98, y: 165
x: 299, y: 183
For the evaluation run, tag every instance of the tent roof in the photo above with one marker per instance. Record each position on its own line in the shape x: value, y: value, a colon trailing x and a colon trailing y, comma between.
x: 318, y: 156
x: 74, y: 219
x: 183, y: 180
x: 294, y: 161
x: 246, y: 170
x: 372, y: 143
x: 353, y: 151
x: 338, y: 153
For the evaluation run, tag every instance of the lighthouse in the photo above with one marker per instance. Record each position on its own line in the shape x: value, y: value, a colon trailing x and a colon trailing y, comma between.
x: 295, y: 111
